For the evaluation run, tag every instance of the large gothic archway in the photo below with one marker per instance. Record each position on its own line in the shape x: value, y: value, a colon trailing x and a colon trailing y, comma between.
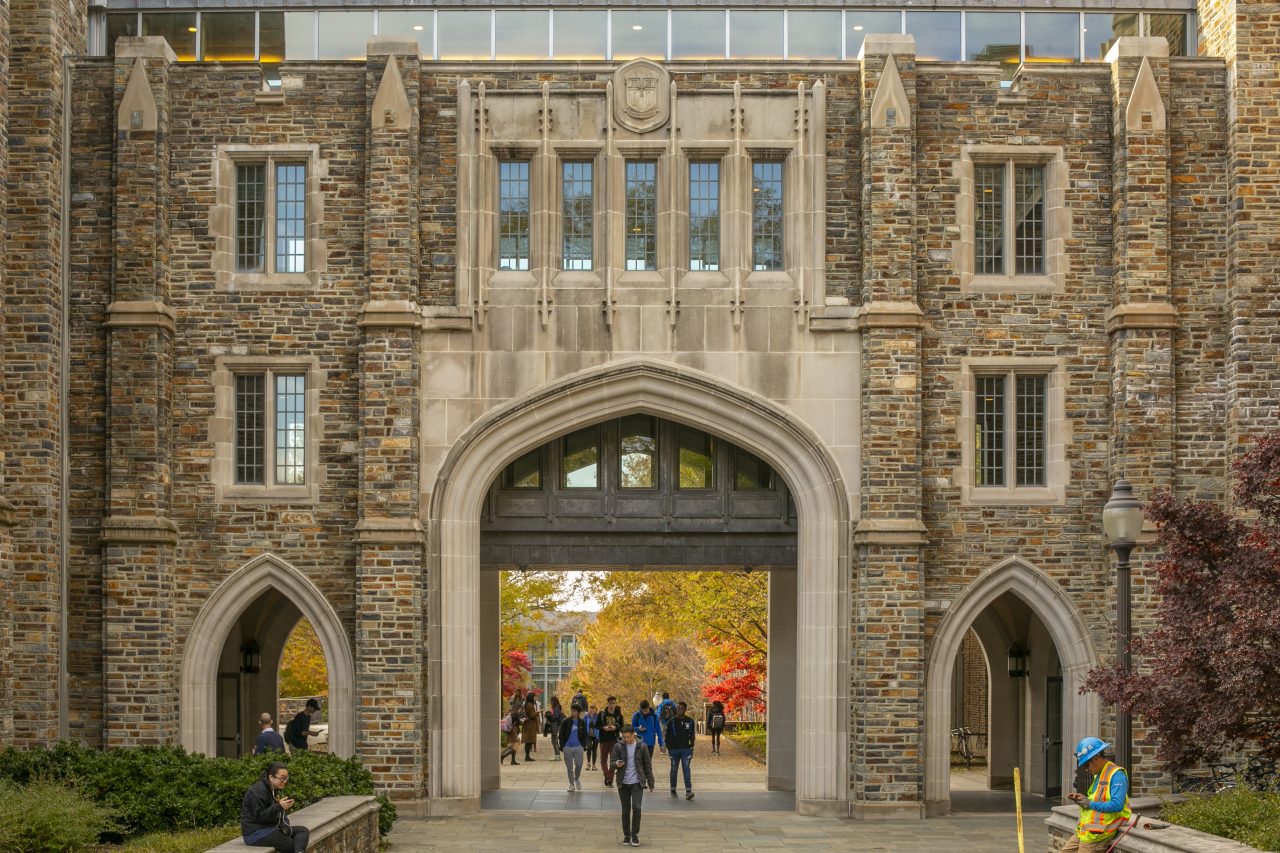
x: 198, y: 708
x: 1070, y: 636
x: 693, y: 398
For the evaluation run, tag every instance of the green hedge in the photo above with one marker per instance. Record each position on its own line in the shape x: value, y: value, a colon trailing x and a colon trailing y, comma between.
x: 163, y: 789
x: 1249, y: 817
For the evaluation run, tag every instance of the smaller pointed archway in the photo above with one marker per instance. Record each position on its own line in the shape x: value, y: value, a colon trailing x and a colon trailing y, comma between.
x: 273, y: 595
x: 1071, y: 644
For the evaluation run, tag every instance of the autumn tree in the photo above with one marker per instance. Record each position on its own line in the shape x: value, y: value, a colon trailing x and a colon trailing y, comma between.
x: 1210, y: 679
x: 516, y: 668
x: 738, y: 678
x: 525, y: 598
x: 302, y: 666
x: 620, y: 657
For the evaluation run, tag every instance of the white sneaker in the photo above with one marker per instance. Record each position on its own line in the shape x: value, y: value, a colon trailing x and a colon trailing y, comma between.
x: 578, y: 785
x: 571, y: 789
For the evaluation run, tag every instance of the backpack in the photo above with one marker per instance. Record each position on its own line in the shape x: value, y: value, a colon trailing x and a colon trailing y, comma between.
x: 717, y: 721
x: 506, y: 724
x: 667, y: 712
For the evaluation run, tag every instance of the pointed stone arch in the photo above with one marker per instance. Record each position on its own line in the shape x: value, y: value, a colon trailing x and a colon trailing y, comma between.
x: 691, y: 397
x: 213, y: 625
x: 1070, y: 635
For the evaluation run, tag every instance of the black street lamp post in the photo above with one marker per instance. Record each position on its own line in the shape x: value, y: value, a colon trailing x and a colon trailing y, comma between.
x: 1122, y: 523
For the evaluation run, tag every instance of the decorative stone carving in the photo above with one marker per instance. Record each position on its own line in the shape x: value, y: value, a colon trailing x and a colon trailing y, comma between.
x: 1145, y: 111
x: 643, y: 99
x: 890, y: 106
x: 138, y: 106
x: 391, y: 104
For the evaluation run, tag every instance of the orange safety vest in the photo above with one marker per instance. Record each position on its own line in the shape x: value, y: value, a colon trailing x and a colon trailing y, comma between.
x: 1095, y: 826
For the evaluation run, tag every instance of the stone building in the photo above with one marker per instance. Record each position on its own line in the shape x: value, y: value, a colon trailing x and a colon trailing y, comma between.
x: 878, y: 301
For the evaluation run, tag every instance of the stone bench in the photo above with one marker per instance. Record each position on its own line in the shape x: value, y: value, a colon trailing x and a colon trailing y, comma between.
x: 1167, y: 839
x: 337, y: 824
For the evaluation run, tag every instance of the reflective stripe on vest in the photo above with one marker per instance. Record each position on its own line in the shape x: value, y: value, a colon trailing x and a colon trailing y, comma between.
x: 1096, y: 823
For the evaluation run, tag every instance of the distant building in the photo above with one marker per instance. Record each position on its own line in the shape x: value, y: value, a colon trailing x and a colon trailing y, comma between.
x: 560, y: 652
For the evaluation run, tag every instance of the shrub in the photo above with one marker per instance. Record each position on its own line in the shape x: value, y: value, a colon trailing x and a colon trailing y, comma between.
x: 163, y: 789
x: 1242, y: 815
x: 45, y: 817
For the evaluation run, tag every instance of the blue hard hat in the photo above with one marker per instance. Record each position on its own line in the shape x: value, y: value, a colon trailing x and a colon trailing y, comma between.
x: 1088, y: 748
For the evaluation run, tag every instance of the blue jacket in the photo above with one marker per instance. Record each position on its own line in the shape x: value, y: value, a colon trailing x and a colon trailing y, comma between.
x: 1119, y: 792
x: 652, y: 727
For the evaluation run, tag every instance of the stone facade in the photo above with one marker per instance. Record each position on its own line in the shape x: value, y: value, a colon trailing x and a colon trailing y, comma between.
x: 850, y: 370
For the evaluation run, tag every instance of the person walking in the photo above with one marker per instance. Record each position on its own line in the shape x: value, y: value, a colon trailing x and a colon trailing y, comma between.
x: 609, y: 725
x: 593, y: 736
x: 715, y: 725
x: 648, y: 727
x: 553, y: 717
x: 580, y: 700
x: 529, y: 732
x: 264, y: 814
x: 681, y: 734
x: 269, y: 739
x: 511, y: 725
x: 666, y: 710
x: 631, y: 761
x: 295, y: 734
x: 1105, y: 809
x: 572, y: 736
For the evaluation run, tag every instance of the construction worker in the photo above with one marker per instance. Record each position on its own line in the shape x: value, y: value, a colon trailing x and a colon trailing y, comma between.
x: 1106, y: 808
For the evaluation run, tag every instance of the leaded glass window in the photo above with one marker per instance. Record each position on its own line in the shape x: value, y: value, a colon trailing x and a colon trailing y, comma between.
x: 1010, y: 444
x: 766, y: 215
x: 704, y: 215
x: 513, y: 215
x: 578, y: 214
x: 525, y: 472
x: 1009, y: 219
x: 637, y: 452
x: 270, y: 428
x: 580, y: 459
x: 271, y: 217
x: 642, y: 215
x: 696, y: 459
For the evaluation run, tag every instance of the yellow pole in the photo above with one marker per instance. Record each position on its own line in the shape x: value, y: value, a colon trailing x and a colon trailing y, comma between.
x: 1017, y: 799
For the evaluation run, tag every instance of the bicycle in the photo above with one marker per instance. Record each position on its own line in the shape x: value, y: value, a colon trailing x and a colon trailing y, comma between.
x: 962, y: 735
x: 1222, y: 777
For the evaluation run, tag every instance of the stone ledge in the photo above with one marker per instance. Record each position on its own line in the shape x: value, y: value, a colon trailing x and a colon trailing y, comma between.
x: 8, y: 513
x: 390, y: 313
x: 324, y: 819
x: 139, y: 530
x: 890, y: 315
x: 141, y: 315
x: 1149, y: 836
x: 448, y: 319
x: 1137, y: 46
x: 385, y: 45
x: 890, y: 531
x: 881, y: 44
x: 389, y: 531
x: 128, y: 47
x: 1142, y: 315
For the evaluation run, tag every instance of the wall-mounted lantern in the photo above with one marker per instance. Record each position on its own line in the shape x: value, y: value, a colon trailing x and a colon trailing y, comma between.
x: 251, y: 658
x: 1019, y: 661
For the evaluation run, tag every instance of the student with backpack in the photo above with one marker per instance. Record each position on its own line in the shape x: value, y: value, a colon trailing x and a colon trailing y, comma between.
x: 666, y: 710
x: 715, y: 725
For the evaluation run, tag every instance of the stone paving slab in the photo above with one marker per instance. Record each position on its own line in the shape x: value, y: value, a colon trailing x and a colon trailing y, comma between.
x: 533, y: 832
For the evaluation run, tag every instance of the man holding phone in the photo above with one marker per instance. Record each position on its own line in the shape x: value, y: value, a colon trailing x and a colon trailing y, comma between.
x: 630, y: 759
x: 609, y: 725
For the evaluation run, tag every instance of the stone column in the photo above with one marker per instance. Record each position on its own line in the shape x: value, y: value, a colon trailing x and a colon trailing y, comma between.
x: 390, y: 637
x: 888, y: 640
x: 1244, y: 34
x: 782, y: 682
x: 492, y: 701
x: 138, y: 534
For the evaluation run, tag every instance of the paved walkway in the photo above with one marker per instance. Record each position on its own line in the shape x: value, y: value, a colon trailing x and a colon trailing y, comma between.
x: 503, y: 832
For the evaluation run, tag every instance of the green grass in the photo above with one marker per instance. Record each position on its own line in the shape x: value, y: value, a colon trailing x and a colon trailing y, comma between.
x: 192, y: 841
x: 1242, y: 815
x: 752, y: 737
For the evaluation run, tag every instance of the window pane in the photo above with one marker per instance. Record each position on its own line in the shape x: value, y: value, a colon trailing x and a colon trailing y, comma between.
x: 755, y: 35
x: 523, y: 35
x: 639, y: 34
x: 120, y: 24
x: 697, y: 35
x: 578, y: 213
x: 1028, y: 220
x: 1173, y: 28
x: 1052, y: 35
x: 988, y: 219
x: 291, y: 219
x: 290, y: 430
x: 178, y: 28
x: 1030, y: 456
x: 750, y: 472
x: 989, y: 439
x: 345, y: 35
x: 862, y: 24
x: 697, y: 459
x: 813, y: 35
x: 525, y: 472
x: 271, y: 36
x: 299, y: 34
x: 937, y: 34
x: 513, y: 215
x: 463, y: 35
x: 704, y: 216
x: 580, y: 35
x: 766, y: 216
x: 417, y: 25
x: 227, y: 36
x: 580, y: 465
x: 992, y: 37
x: 251, y: 226
x: 642, y: 215
x: 1101, y: 31
x: 637, y: 451
x: 250, y: 427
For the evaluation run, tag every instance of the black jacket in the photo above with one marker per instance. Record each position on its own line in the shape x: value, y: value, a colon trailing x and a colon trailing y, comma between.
x: 643, y: 762
x: 567, y: 724
x: 610, y: 718
x: 259, y: 809
x: 680, y: 732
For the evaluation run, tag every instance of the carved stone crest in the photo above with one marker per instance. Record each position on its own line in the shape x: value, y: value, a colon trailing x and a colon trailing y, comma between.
x: 642, y: 95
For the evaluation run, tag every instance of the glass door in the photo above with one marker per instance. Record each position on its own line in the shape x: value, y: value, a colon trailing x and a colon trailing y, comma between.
x: 1053, y: 737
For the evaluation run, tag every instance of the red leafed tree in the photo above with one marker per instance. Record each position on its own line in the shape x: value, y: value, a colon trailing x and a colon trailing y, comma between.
x: 1210, y: 679
x: 737, y: 677
x: 516, y: 668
